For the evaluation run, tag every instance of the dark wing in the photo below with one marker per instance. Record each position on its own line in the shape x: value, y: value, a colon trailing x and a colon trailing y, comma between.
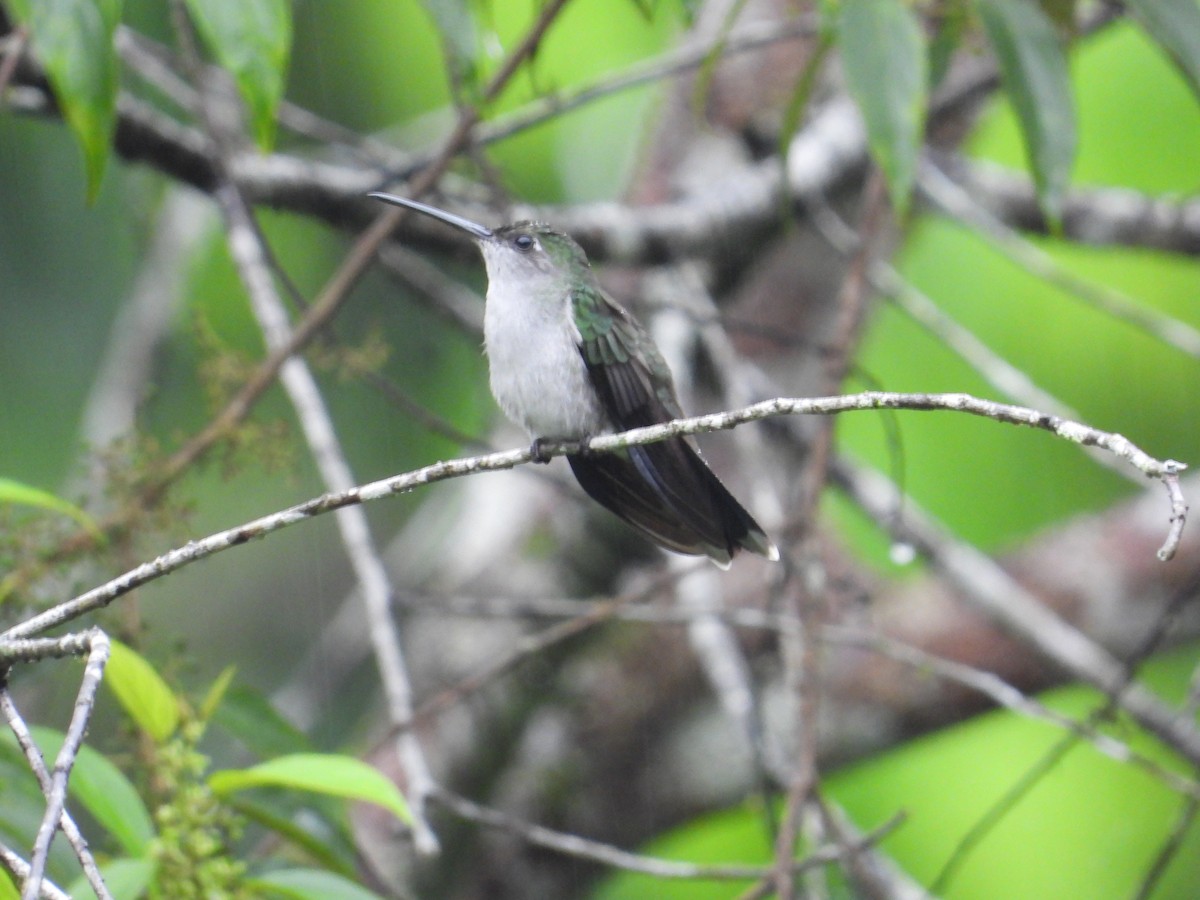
x: 664, y: 489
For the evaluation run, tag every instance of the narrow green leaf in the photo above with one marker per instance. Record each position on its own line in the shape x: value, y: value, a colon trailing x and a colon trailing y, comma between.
x: 321, y: 840
x: 1034, y: 71
x: 74, y: 41
x: 708, y: 68
x: 16, y: 492
x: 249, y: 717
x: 1175, y: 25
x: 100, y: 788
x: 252, y: 39
x: 455, y: 22
x: 321, y: 773
x: 122, y: 877
x: 1061, y: 13
x: 142, y: 693
x: 8, y: 890
x: 949, y: 26
x: 216, y: 693
x: 689, y: 9
x: 645, y: 8
x: 883, y: 54
x: 797, y: 106
x: 310, y: 884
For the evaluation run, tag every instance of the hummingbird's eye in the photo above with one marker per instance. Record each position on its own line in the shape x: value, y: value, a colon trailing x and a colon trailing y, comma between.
x: 523, y: 242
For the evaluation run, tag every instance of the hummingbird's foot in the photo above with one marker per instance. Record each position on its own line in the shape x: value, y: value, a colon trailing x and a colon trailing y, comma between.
x: 541, y: 454
x: 538, y: 450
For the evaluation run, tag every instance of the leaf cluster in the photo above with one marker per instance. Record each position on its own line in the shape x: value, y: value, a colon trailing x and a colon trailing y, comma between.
x: 180, y: 829
x: 891, y: 68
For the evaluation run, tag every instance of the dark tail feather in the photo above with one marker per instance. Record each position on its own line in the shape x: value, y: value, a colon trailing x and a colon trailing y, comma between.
x: 667, y: 492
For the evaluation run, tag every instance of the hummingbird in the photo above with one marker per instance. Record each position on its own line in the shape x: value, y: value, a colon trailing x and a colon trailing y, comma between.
x: 567, y: 363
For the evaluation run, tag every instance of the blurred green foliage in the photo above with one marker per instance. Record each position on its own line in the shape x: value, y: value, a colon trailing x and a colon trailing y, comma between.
x: 1140, y: 128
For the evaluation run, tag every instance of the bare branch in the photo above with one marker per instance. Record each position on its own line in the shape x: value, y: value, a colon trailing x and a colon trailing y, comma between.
x: 615, y: 857
x: 964, y: 206
x: 12, y: 48
x: 994, y: 592
x: 54, y: 785
x: 1106, y: 216
x: 1005, y: 695
x: 456, y: 468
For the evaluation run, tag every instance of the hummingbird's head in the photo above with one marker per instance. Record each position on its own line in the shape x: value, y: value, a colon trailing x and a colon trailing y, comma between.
x: 530, y: 253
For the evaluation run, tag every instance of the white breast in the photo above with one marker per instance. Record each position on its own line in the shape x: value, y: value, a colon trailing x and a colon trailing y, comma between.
x: 537, y: 374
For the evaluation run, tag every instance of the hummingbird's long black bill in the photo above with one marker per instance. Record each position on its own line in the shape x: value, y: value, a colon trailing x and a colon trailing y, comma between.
x: 472, y: 228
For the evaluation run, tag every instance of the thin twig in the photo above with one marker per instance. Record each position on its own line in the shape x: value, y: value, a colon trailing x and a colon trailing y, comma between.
x: 13, y: 48
x: 19, y: 869
x: 531, y: 645
x: 1169, y: 849
x: 752, y: 36
x: 798, y: 649
x: 37, y: 765
x: 251, y: 258
x: 321, y: 435
x: 614, y: 857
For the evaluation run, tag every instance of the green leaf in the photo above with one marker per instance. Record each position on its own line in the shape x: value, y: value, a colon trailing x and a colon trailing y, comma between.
x: 331, y: 774
x: 8, y: 890
x: 142, y: 693
x: 310, y: 884
x: 122, y: 877
x: 883, y: 54
x: 1034, y: 71
x: 101, y: 789
x: 74, y: 41
x: 16, y: 492
x: 252, y: 39
x: 1175, y: 26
